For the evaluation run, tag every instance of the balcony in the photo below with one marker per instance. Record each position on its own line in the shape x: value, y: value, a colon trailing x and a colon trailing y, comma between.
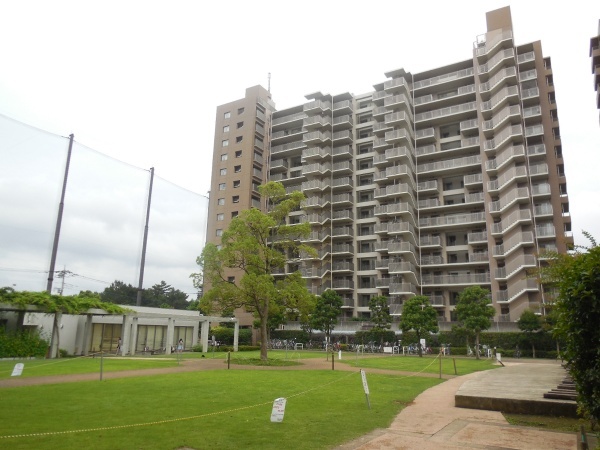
x: 342, y: 137
x: 511, y: 197
x: 287, y: 149
x: 317, y: 107
x: 513, y: 175
x: 316, y: 137
x: 450, y: 165
x: 452, y: 220
x: 430, y: 241
x: 456, y: 110
x: 510, y: 154
x: 396, y: 136
x: 396, y: 85
x: 394, y: 190
x: 314, y: 122
x: 442, y: 79
x: 477, y: 238
x: 291, y: 119
x: 521, y: 217
x: 523, y: 239
x: 342, y: 152
x: 456, y: 279
x: 315, y: 153
x: 345, y: 107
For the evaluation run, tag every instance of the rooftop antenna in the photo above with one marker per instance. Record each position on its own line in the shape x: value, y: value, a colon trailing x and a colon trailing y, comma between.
x: 269, y: 83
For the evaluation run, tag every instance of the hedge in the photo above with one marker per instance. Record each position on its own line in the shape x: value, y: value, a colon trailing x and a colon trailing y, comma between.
x: 22, y: 344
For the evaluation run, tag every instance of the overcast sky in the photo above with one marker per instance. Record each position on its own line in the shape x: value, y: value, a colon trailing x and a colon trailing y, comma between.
x: 139, y: 81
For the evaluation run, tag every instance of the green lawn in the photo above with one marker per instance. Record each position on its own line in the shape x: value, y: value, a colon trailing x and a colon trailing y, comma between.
x: 64, y: 366
x: 426, y: 364
x: 210, y: 409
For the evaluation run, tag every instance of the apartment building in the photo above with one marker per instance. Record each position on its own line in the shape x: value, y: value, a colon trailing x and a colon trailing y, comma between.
x: 595, y: 55
x: 430, y: 183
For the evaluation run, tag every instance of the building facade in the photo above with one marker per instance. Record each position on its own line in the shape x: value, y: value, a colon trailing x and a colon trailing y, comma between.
x: 433, y: 182
x: 595, y: 55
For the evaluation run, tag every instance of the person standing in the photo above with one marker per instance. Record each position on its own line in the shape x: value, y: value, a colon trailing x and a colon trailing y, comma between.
x: 119, y: 342
x: 180, y: 346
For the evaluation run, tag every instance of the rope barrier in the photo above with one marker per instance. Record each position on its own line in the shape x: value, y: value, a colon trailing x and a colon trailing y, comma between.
x: 161, y: 422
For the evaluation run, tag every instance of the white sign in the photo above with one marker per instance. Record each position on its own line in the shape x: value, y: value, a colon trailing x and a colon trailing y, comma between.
x: 278, y: 410
x: 18, y: 370
x: 498, y: 357
x: 364, y: 381
x: 388, y: 349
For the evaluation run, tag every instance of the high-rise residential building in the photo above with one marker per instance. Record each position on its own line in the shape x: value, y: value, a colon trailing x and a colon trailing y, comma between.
x: 433, y: 182
x: 595, y: 55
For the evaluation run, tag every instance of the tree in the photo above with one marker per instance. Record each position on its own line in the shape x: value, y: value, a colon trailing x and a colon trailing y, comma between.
x: 380, y: 316
x: 161, y: 295
x: 255, y: 245
x: 326, y: 312
x: 475, y: 312
x: 575, y: 278
x: 420, y: 316
x: 530, y: 323
x: 380, y: 313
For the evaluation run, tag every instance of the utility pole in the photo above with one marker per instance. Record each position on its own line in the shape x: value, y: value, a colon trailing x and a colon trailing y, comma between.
x: 138, y: 301
x: 61, y: 207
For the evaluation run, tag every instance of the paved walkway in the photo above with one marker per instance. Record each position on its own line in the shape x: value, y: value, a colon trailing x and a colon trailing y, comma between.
x: 432, y: 422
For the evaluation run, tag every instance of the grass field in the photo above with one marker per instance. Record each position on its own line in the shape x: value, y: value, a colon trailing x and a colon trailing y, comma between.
x: 80, y: 365
x: 209, y: 409
x: 426, y: 364
x: 64, y: 366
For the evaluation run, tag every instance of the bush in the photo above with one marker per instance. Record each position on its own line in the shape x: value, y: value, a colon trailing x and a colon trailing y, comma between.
x: 22, y: 344
x: 299, y: 335
x: 225, y: 335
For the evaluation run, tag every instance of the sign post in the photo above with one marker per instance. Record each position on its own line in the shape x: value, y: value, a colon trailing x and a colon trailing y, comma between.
x: 18, y: 370
x: 365, y: 386
x: 278, y: 410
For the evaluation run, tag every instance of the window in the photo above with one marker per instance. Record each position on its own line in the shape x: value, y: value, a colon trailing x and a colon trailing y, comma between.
x: 240, y: 125
x: 231, y: 279
x: 225, y: 143
x: 223, y: 172
x: 224, y: 157
x: 239, y: 139
x: 219, y: 232
x: 240, y: 111
x: 226, y: 129
x: 237, y: 169
x: 235, y: 199
x: 238, y: 154
x: 227, y: 115
x: 221, y: 201
x: 222, y: 186
x: 220, y: 216
x: 219, y: 247
x: 236, y: 184
x: 234, y: 214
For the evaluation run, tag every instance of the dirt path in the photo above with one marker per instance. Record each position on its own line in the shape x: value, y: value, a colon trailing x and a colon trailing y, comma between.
x: 194, y: 365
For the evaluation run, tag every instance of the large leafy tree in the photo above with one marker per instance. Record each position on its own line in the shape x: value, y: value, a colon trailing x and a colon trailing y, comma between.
x: 575, y: 278
x: 418, y: 315
x: 474, y: 311
x: 530, y: 323
x: 326, y: 312
x: 256, y: 244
